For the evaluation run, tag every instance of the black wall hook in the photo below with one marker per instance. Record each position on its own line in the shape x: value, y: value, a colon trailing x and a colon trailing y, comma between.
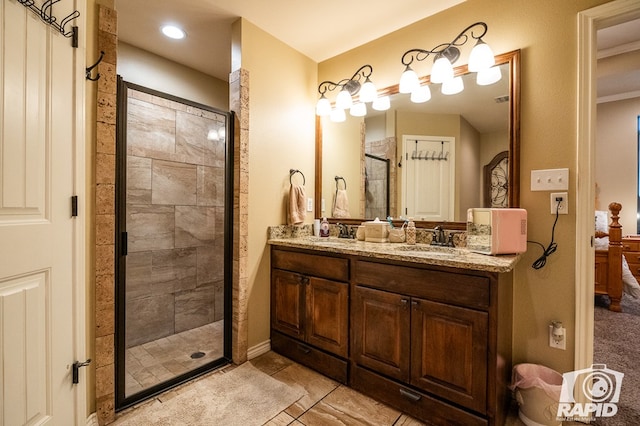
x: 88, y: 70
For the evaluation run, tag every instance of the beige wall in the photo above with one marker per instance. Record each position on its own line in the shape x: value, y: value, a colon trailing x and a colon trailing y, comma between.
x: 154, y: 72
x: 282, y: 96
x: 545, y: 31
x: 617, y: 159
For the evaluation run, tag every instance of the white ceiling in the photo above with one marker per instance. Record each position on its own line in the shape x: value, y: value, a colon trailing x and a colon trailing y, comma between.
x: 319, y: 29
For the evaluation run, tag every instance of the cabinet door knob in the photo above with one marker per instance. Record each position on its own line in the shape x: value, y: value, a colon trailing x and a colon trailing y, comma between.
x: 304, y: 280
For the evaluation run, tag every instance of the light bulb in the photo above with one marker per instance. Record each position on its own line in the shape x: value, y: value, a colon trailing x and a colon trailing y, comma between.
x: 409, y: 81
x: 359, y: 109
x: 481, y: 57
x: 337, y: 115
x: 343, y: 100
x: 421, y: 94
x: 213, y: 135
x: 368, y: 91
x: 173, y: 32
x: 453, y: 86
x: 442, y: 70
x: 323, y: 107
x: 488, y: 76
x: 382, y: 103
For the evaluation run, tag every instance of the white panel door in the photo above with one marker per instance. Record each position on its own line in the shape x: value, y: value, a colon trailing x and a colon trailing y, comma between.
x: 38, y: 128
x: 428, y: 177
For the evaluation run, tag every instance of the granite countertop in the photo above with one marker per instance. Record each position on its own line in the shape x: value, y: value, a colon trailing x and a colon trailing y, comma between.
x: 419, y: 253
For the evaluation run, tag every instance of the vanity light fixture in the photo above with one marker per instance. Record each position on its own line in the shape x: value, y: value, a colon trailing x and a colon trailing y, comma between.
x: 481, y: 61
x: 359, y: 84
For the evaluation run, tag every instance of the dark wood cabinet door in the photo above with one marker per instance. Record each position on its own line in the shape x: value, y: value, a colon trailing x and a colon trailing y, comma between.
x: 381, y: 332
x: 449, y: 352
x: 327, y: 313
x: 287, y: 302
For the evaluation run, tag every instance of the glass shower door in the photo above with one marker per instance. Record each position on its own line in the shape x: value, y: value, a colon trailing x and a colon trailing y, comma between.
x: 174, y: 232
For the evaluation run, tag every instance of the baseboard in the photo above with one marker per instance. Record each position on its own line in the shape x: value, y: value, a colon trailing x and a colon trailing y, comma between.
x: 92, y: 420
x: 259, y: 349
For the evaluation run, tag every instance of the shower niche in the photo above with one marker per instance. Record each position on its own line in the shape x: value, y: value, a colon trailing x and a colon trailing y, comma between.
x: 173, y: 241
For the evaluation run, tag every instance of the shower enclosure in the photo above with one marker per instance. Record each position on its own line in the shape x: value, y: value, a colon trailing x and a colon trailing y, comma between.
x: 173, y: 241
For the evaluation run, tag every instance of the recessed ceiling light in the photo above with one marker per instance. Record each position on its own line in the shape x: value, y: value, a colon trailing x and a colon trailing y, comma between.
x: 174, y: 32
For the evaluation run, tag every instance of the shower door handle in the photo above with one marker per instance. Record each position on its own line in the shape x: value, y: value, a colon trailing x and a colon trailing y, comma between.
x: 124, y: 242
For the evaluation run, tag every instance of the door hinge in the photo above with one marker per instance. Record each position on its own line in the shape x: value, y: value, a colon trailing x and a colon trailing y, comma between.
x: 74, y: 206
x: 75, y: 370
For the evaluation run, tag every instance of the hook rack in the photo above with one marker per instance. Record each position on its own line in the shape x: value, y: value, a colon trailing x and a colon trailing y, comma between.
x: 343, y: 181
x: 89, y: 69
x: 293, y: 172
x: 441, y: 156
x: 45, y: 14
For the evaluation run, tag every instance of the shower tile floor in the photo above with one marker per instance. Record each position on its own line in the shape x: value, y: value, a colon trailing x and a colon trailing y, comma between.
x: 163, y: 359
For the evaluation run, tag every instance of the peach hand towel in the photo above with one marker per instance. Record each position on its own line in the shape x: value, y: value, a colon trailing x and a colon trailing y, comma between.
x: 341, y: 204
x: 297, y: 199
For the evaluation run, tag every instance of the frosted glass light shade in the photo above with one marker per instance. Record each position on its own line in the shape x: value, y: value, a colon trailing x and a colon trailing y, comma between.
x: 359, y: 109
x: 337, y: 115
x: 453, y: 86
x: 323, y: 107
x: 481, y: 57
x: 409, y: 81
x: 344, y: 100
x: 442, y: 70
x: 368, y: 92
x: 488, y: 76
x: 382, y: 103
x: 421, y: 94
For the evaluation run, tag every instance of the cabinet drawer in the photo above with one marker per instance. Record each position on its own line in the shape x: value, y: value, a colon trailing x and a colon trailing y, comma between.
x: 333, y: 268
x: 630, y: 245
x: 467, y: 290
x: 309, y: 356
x: 634, y: 267
x: 632, y: 257
x: 410, y: 401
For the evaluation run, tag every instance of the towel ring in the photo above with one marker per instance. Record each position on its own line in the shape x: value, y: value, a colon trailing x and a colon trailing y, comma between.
x: 293, y: 172
x: 343, y: 181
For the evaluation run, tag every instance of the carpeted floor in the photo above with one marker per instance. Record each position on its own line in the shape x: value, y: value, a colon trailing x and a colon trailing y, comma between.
x: 617, y: 344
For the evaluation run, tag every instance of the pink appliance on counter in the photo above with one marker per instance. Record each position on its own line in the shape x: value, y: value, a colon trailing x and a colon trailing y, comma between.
x: 497, y: 231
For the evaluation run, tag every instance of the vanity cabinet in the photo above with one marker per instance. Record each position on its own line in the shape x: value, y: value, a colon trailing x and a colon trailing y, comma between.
x: 310, y: 310
x: 422, y: 342
x: 432, y: 341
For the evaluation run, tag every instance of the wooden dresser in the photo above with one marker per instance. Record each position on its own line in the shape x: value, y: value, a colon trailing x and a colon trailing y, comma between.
x: 631, y: 251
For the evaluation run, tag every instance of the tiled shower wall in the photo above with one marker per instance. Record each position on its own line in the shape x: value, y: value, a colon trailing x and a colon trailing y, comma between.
x: 385, y: 148
x: 175, y: 217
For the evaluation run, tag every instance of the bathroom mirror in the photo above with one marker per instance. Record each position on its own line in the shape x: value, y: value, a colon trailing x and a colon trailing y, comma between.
x: 341, y: 148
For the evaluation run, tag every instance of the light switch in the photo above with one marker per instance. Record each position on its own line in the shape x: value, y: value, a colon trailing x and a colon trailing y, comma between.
x: 550, y: 180
x: 309, y: 204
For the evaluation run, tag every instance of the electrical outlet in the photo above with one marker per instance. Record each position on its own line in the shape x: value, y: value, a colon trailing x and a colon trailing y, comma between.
x: 563, y: 208
x: 557, y: 338
x: 309, y: 204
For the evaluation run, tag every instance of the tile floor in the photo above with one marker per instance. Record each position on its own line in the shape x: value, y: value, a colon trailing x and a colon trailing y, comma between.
x: 163, y: 359
x: 325, y: 402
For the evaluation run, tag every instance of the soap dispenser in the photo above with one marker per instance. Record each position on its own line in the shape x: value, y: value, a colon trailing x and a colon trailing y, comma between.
x: 324, y: 227
x: 411, y: 232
